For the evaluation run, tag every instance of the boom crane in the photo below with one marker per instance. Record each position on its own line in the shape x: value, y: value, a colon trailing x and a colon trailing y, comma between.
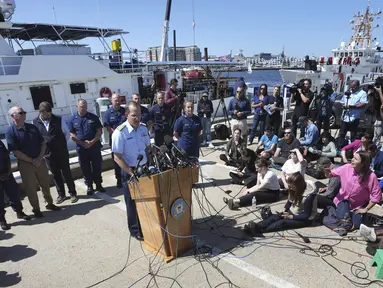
x: 164, y: 45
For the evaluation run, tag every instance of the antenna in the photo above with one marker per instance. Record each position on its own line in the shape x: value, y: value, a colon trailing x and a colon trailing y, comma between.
x: 54, y: 13
x: 193, y: 24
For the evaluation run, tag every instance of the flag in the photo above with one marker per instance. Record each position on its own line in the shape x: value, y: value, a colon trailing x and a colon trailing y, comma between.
x: 224, y: 58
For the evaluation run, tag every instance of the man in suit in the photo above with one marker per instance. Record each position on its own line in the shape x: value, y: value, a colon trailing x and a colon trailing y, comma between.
x: 377, y: 160
x: 56, y: 154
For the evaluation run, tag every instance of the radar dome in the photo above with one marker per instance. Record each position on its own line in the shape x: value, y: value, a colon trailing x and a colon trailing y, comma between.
x: 7, y: 8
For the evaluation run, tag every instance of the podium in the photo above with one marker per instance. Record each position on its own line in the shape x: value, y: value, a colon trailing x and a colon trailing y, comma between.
x: 163, y: 204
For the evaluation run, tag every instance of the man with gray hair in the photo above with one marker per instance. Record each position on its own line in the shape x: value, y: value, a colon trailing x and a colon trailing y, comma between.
x: 28, y: 146
x: 353, y: 103
x: 85, y: 130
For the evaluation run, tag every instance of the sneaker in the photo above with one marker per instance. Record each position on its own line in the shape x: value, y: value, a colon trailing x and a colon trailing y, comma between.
x: 38, y: 214
x: 119, y: 183
x: 60, y: 199
x: 22, y: 215
x: 73, y: 199
x: 52, y: 207
x: 367, y: 233
x: 4, y: 225
x: 100, y: 189
x: 203, y: 143
x: 211, y: 145
x: 90, y: 190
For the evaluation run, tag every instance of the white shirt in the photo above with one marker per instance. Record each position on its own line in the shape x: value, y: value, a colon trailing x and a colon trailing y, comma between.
x: 46, y: 123
x: 290, y: 167
x: 269, y: 181
x: 130, y: 143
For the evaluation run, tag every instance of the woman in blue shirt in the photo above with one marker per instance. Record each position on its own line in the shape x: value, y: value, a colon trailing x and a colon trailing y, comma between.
x: 258, y: 102
x: 187, y: 130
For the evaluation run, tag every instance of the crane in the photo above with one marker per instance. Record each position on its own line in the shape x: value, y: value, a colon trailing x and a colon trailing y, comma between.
x: 7, y: 8
x: 164, y: 45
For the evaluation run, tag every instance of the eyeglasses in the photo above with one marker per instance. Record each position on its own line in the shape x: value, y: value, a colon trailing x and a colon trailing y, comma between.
x: 21, y: 113
x: 287, y: 133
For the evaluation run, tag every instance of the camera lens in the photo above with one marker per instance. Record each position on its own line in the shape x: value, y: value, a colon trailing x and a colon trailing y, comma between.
x: 377, y: 85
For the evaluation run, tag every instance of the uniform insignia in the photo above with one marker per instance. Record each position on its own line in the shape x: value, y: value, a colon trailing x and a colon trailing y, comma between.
x: 122, y: 126
x: 163, y: 117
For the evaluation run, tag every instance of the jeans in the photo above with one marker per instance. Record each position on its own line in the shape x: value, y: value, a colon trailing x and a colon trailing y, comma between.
x: 345, y: 127
x: 295, y: 121
x: 343, y: 211
x: 378, y: 131
x: 11, y: 189
x: 274, y: 121
x: 261, y: 120
x: 325, y: 120
x: 206, y: 128
x: 268, y: 196
x: 275, y: 223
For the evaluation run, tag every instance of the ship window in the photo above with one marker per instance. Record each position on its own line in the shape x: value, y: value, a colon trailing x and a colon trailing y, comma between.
x: 41, y: 94
x: 356, y: 54
x: 341, y: 54
x: 77, y: 88
x: 360, y: 54
x: 345, y: 54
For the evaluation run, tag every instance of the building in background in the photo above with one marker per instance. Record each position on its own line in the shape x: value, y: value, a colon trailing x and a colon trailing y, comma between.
x: 187, y: 53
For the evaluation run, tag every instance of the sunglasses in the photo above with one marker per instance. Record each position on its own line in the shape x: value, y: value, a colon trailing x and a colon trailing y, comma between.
x: 21, y: 113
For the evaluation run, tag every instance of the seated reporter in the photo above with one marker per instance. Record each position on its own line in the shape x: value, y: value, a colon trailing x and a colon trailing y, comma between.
x: 265, y: 191
x: 268, y: 142
x: 359, y: 191
x: 355, y: 146
x: 295, y: 163
x: 232, y: 154
x: 327, y: 192
x: 284, y: 146
x: 376, y: 160
x: 300, y: 211
x: 187, y: 130
x: 311, y: 136
x: 326, y: 148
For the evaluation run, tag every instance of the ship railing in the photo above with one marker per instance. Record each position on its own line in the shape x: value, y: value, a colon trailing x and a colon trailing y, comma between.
x: 10, y: 65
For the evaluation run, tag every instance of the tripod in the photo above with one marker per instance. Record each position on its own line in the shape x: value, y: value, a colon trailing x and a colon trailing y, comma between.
x: 225, y: 114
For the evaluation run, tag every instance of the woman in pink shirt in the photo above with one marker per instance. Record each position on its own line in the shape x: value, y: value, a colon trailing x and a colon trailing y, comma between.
x: 360, y: 189
x: 357, y: 145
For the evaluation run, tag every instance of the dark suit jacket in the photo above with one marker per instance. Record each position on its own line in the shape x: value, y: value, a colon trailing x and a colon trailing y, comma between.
x: 378, y: 164
x: 54, y: 137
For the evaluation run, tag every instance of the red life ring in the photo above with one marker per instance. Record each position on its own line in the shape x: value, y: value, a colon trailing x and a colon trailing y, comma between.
x: 105, y: 90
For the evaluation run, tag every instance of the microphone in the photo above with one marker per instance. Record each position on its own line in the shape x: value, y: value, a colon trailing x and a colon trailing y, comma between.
x: 136, y: 171
x: 169, y: 141
x: 164, y: 151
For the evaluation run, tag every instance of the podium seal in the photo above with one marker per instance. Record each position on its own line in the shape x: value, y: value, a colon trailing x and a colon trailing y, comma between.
x: 178, y: 208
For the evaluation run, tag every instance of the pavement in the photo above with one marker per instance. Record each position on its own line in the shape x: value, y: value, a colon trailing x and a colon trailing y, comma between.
x: 87, y: 244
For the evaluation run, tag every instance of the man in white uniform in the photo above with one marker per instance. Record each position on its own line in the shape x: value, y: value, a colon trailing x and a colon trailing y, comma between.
x: 129, y: 140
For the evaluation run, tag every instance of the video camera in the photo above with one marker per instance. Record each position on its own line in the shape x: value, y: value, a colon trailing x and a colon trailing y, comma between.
x: 296, y: 86
x: 326, y: 90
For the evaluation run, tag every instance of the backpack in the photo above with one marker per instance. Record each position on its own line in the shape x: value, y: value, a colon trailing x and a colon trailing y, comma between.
x: 221, y: 131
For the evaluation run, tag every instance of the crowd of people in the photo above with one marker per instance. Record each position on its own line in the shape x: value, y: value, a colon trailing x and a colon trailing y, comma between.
x: 353, y: 188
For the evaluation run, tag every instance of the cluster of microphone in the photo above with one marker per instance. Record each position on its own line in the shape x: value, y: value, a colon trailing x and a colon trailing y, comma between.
x: 162, y: 158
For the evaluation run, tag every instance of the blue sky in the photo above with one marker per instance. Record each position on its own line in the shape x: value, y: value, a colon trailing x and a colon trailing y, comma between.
x: 305, y: 27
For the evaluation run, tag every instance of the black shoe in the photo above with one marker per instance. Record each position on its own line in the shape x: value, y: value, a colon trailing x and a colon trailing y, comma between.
x: 138, y: 237
x: 90, y: 190
x: 52, y: 207
x: 119, y: 184
x: 4, y: 225
x: 61, y: 199
x: 73, y: 199
x: 38, y: 214
x: 252, y: 229
x: 100, y: 189
x: 22, y: 215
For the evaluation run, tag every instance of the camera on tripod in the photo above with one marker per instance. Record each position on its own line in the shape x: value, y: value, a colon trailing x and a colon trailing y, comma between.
x: 326, y: 90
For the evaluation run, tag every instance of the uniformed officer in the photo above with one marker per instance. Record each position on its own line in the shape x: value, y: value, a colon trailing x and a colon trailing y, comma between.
x: 9, y: 187
x: 160, y: 116
x: 56, y: 154
x: 187, y: 130
x: 128, y: 141
x: 114, y: 117
x: 85, y: 130
x: 28, y: 146
x: 144, y: 111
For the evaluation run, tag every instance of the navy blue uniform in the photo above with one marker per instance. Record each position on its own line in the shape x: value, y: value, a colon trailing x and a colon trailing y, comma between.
x: 189, y: 129
x: 113, y: 118
x: 161, y: 117
x: 56, y: 154
x: 85, y: 128
x: 144, y: 115
x: 9, y: 186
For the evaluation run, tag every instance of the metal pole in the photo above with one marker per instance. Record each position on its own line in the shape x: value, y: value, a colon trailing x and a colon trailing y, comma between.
x: 174, y: 46
x: 164, y: 45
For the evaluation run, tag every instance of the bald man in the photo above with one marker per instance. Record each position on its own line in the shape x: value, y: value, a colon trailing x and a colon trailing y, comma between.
x: 113, y: 117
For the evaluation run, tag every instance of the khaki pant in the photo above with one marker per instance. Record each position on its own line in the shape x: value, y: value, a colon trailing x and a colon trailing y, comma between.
x: 32, y: 175
x: 241, y: 124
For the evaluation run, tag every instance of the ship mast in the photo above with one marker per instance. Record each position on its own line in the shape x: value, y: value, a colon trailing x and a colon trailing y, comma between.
x: 363, y: 27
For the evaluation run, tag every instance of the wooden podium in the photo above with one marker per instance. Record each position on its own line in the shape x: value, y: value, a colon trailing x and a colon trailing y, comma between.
x: 164, y: 200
